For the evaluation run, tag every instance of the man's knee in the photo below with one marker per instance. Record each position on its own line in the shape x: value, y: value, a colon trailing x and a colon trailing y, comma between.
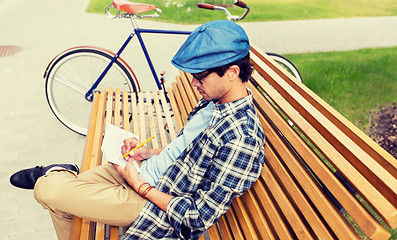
x: 50, y: 188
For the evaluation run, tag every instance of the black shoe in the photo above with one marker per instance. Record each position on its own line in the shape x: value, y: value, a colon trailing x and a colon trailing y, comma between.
x: 27, y: 178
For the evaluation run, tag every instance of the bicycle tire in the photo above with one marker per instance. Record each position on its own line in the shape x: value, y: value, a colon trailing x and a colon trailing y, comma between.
x: 286, y: 64
x: 72, y: 73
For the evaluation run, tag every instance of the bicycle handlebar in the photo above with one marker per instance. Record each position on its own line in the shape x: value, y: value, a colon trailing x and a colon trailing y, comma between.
x: 238, y: 3
x: 206, y: 6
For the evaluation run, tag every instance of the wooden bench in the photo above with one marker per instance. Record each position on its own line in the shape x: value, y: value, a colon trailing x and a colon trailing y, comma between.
x: 150, y: 114
x: 323, y: 178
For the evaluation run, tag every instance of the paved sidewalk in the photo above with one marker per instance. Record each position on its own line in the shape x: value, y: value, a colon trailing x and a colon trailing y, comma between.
x: 31, y: 135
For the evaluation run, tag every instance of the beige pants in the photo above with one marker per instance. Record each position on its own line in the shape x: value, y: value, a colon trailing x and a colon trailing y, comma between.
x: 99, y: 195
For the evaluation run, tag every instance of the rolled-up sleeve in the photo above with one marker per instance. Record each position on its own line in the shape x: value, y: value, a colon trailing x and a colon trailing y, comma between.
x: 234, y: 168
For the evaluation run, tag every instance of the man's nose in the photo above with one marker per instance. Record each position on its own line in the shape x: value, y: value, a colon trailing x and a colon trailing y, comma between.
x: 195, y: 82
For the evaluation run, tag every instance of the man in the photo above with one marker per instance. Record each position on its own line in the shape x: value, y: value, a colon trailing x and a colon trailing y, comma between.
x: 184, y: 188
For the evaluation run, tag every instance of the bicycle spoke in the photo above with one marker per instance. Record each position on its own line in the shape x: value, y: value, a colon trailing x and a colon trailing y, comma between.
x: 70, y: 78
x: 69, y: 84
x: 77, y: 76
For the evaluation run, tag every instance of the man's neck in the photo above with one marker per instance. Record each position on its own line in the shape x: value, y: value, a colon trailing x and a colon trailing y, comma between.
x: 234, y: 94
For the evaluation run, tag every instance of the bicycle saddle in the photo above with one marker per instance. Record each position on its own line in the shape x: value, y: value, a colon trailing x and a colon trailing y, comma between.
x: 133, y: 8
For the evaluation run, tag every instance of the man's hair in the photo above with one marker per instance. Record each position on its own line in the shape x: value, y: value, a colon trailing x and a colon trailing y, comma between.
x: 246, y: 68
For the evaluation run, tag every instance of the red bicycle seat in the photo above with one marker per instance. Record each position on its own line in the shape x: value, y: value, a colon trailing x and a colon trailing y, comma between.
x: 130, y: 7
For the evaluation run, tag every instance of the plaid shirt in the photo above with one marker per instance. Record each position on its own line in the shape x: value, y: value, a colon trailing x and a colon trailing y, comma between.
x: 219, y: 165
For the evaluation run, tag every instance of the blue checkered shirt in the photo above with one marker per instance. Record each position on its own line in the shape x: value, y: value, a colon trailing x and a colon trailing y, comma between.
x: 219, y: 165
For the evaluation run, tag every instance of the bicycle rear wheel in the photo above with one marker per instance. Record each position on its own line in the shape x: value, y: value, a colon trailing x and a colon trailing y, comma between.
x: 71, y: 75
x: 286, y: 64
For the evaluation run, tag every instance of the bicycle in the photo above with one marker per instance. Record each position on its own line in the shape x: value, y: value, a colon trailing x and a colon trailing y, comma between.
x: 74, y: 75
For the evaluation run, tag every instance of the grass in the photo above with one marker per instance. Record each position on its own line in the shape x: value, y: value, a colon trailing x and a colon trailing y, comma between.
x: 186, y: 11
x: 355, y: 83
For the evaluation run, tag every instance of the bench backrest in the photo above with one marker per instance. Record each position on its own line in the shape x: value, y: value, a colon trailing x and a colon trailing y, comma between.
x: 322, y: 174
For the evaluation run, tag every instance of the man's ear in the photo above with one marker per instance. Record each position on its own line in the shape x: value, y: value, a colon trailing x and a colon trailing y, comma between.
x: 233, y: 72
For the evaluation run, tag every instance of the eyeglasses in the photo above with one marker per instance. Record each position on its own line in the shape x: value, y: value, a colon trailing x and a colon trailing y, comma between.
x: 200, y: 76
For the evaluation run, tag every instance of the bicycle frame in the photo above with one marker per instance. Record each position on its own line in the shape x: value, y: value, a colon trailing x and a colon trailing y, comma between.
x: 61, y: 71
x: 137, y: 31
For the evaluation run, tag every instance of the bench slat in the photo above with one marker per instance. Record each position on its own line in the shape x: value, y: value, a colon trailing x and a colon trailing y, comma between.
x: 142, y: 121
x: 213, y: 233
x: 233, y: 224
x: 339, y: 224
x: 170, y: 123
x: 361, y: 139
x: 305, y: 207
x: 114, y: 233
x: 81, y: 228
x: 305, y: 180
x: 224, y: 229
x: 202, y: 237
x: 256, y: 214
x: 126, y: 111
x: 182, y: 91
x: 189, y: 90
x: 87, y: 230
x: 135, y: 117
x: 373, y: 182
x: 90, y: 133
x: 299, y: 227
x: 271, y: 210
x: 348, y: 149
x: 87, y: 226
x: 244, y: 219
x: 117, y: 108
x: 179, y: 102
x: 100, y: 231
x: 78, y: 223
x: 109, y: 107
x: 189, y: 78
x: 150, y: 118
x: 159, y: 117
x: 355, y: 209
x: 109, y: 116
x: 175, y: 110
x: 98, y: 126
x: 115, y: 117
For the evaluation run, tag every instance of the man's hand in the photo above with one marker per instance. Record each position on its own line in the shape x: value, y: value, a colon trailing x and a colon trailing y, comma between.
x: 134, y: 179
x: 130, y: 174
x: 139, y: 154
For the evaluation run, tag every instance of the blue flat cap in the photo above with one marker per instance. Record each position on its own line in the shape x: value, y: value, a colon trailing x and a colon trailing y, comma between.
x: 211, y: 45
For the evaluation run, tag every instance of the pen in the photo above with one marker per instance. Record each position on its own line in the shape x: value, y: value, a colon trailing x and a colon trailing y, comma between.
x: 140, y: 145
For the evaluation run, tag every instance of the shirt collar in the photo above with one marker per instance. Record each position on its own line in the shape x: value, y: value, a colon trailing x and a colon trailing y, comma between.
x: 235, y: 106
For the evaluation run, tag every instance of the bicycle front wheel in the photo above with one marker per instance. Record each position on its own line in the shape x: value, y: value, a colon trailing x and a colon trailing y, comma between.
x: 286, y: 64
x: 72, y: 74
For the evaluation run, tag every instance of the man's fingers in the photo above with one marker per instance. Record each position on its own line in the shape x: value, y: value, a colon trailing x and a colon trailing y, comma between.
x: 129, y: 144
x: 130, y: 169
